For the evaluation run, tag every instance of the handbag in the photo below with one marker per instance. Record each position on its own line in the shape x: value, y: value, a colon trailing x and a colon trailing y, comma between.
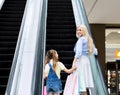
x: 71, y: 85
x: 44, y: 91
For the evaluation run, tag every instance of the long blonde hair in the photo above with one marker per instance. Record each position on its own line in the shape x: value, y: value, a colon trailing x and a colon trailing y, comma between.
x: 51, y: 54
x: 90, y: 41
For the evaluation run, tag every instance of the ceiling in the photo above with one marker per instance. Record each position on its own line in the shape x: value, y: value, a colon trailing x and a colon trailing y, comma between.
x: 106, y: 12
x: 103, y: 11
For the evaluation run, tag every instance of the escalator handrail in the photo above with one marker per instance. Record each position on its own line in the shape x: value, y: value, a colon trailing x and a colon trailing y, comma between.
x: 40, y: 52
x: 30, y: 24
x: 1, y: 3
x: 14, y: 62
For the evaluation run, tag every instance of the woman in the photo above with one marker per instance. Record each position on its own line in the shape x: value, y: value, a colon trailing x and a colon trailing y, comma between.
x: 83, y: 47
x: 52, y: 71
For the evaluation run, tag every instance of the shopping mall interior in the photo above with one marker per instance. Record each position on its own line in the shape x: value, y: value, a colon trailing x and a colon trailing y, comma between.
x: 104, y: 13
x: 29, y: 28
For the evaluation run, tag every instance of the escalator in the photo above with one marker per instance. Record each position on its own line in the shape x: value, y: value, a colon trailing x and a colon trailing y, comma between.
x: 61, y: 31
x: 10, y: 20
x: 60, y: 36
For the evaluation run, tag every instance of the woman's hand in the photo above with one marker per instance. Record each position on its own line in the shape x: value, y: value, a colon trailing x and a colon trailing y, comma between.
x: 73, y: 67
x: 74, y: 62
x: 70, y: 70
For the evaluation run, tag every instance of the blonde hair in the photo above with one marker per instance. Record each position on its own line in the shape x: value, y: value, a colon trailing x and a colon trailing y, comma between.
x: 51, y: 54
x: 90, y: 41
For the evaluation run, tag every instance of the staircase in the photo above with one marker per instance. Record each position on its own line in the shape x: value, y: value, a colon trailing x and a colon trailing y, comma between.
x: 10, y: 20
x: 61, y: 31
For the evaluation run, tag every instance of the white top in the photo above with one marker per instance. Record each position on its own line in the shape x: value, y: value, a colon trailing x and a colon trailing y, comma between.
x: 59, y: 67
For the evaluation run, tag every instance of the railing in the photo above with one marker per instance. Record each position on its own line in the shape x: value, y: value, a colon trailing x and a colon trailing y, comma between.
x: 1, y: 3
x: 40, y: 51
x: 81, y: 18
x: 29, y: 53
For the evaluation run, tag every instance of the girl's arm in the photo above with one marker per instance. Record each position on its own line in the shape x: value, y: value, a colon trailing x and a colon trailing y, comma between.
x: 44, y: 75
x: 69, y: 70
x: 45, y: 71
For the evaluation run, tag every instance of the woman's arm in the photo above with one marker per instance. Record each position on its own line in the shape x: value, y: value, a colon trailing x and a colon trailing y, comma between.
x: 95, y: 51
x: 78, y: 51
x: 74, y: 61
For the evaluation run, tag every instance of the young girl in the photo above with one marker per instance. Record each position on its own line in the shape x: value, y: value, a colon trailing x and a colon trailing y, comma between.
x: 53, y: 67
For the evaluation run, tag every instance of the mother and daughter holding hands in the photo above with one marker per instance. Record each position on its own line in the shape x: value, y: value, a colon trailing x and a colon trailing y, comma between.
x: 80, y: 66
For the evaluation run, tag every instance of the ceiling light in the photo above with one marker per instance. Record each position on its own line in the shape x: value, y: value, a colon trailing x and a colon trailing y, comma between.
x: 118, y: 32
x: 117, y: 54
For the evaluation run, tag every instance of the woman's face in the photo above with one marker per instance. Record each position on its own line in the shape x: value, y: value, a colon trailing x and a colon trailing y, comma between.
x: 79, y: 32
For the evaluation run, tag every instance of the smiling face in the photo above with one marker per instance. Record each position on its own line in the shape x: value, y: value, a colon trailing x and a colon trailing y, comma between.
x: 79, y: 32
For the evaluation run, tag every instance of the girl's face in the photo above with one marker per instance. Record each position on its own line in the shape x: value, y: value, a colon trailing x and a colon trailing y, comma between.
x: 79, y: 32
x: 56, y: 54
